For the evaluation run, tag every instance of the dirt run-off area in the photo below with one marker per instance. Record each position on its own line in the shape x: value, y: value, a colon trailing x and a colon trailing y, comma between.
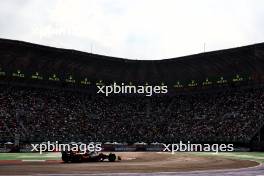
x: 132, y: 162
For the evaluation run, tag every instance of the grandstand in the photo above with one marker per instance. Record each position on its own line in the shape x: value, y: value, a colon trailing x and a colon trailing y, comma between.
x: 50, y: 94
x: 36, y: 62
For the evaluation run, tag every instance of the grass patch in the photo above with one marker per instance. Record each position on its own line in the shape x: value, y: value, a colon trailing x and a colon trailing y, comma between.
x: 254, y: 156
x: 30, y: 156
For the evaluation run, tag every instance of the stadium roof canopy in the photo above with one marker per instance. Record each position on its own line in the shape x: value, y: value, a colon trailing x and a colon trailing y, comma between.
x: 32, y: 58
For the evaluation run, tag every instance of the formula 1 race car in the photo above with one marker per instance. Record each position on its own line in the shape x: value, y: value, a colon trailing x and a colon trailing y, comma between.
x: 75, y: 157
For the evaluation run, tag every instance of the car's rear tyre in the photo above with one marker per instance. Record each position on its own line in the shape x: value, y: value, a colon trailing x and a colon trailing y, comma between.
x: 111, y: 157
x: 65, y: 157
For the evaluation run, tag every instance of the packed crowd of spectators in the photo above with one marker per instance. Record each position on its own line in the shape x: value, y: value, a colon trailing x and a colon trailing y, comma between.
x: 233, y: 115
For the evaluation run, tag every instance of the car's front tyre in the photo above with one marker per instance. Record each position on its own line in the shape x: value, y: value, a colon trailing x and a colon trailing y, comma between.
x: 111, y: 157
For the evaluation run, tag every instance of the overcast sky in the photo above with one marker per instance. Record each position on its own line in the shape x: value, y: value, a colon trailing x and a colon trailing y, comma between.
x: 135, y: 29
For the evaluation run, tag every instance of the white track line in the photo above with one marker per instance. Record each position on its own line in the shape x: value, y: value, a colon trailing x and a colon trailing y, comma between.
x: 33, y: 160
